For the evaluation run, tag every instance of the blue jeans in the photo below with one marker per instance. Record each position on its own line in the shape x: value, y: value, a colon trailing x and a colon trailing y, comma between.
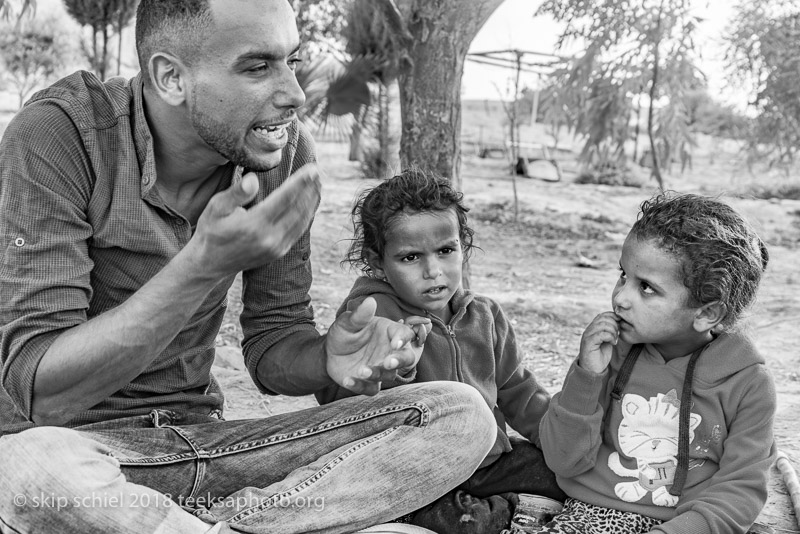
x: 335, y: 468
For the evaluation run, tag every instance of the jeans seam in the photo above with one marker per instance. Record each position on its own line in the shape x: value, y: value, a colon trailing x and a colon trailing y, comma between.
x: 423, y: 410
x: 8, y: 528
x: 197, y: 457
x: 308, y: 482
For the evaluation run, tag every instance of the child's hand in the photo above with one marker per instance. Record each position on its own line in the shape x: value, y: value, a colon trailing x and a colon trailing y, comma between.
x: 421, y: 327
x: 598, y: 341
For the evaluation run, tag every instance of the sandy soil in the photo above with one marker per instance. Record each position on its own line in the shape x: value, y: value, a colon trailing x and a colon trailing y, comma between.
x: 531, y: 266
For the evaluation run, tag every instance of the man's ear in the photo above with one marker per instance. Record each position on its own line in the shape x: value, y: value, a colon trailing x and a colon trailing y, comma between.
x: 168, y: 76
x: 709, y: 315
x: 376, y: 264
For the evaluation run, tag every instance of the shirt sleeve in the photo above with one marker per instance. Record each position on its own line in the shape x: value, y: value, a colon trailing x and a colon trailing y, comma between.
x: 732, y: 499
x: 571, y: 430
x: 521, y: 399
x: 45, y: 188
x: 280, y: 336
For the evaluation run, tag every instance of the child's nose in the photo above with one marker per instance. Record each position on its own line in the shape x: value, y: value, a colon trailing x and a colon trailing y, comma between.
x: 432, y: 269
x: 618, y: 300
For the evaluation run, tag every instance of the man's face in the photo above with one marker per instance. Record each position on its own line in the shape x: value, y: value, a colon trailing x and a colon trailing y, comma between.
x: 458, y: 512
x: 244, y: 92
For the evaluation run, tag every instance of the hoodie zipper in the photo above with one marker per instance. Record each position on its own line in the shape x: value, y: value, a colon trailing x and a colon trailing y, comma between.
x: 456, y: 352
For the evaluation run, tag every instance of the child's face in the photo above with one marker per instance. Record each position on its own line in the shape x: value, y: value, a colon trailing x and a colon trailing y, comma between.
x: 422, y: 259
x: 651, y: 300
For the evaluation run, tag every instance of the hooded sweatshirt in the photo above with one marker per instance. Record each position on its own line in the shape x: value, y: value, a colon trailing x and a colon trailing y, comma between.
x: 477, y: 347
x: 622, y: 454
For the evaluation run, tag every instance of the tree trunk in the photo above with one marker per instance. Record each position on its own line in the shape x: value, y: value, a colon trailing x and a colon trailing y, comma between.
x: 355, y: 135
x: 392, y: 128
x: 104, y: 59
x: 119, y: 48
x: 430, y: 82
x: 95, y: 65
x: 650, y: 109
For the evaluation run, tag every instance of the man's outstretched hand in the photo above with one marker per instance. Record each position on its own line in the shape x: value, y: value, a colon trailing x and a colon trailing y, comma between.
x: 364, y: 350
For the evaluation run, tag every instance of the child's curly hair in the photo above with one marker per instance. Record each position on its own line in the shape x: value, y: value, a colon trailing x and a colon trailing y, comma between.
x: 722, y: 256
x: 413, y: 190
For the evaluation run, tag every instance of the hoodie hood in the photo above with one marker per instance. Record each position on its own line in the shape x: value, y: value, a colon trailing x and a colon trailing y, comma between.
x: 728, y: 354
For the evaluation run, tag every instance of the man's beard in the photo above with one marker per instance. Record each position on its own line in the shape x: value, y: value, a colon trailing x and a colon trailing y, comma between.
x: 222, y: 139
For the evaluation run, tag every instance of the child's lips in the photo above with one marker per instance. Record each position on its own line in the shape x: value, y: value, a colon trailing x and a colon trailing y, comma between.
x: 436, y: 290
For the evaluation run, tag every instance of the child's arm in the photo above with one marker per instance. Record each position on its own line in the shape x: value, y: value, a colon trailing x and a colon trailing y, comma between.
x: 571, y: 430
x: 521, y: 399
x: 732, y: 499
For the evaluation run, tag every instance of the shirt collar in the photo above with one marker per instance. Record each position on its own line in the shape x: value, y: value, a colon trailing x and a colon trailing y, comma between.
x: 142, y: 137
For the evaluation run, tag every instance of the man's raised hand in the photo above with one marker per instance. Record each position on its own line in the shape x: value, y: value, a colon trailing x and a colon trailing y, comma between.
x: 230, y: 238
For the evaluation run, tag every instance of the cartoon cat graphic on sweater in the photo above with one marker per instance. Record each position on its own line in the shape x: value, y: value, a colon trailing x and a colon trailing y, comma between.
x: 648, y: 432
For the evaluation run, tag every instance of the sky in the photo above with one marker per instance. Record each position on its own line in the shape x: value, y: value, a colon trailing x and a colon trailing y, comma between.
x: 513, y: 26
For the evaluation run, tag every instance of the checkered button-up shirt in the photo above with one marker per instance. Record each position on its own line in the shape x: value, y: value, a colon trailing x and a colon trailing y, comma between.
x: 82, y: 227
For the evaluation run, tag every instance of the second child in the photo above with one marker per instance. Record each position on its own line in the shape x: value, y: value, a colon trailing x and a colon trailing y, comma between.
x: 664, y: 422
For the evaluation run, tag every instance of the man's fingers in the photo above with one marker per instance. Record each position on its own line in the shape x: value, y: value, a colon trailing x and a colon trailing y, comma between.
x: 237, y: 195
x: 362, y: 387
x: 296, y: 200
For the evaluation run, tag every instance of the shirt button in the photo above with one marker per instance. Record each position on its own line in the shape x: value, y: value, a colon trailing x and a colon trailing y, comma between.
x: 145, y: 180
x: 19, y: 242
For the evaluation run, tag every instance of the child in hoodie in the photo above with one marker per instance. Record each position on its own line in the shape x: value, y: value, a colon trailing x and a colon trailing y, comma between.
x: 411, y: 241
x: 664, y: 422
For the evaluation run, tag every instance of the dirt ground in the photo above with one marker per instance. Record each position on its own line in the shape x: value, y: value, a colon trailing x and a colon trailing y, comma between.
x: 531, y: 267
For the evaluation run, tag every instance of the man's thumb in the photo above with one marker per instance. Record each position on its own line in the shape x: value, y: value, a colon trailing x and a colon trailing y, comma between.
x: 361, y: 316
x: 238, y: 194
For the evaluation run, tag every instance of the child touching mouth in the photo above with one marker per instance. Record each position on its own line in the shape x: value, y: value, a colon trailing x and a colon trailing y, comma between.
x: 664, y: 422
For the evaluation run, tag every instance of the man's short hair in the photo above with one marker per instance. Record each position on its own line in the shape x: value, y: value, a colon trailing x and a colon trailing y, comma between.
x: 175, y: 26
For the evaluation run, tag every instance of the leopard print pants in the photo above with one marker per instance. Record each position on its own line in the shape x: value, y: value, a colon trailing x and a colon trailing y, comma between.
x: 582, y: 518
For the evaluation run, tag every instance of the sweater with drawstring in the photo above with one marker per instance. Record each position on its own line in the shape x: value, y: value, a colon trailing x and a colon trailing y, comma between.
x: 477, y: 347
x: 620, y: 449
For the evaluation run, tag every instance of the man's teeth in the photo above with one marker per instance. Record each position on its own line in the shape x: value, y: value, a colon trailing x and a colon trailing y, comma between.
x: 273, y: 132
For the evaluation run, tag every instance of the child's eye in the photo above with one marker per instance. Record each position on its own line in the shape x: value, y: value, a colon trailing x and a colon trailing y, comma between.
x: 410, y: 257
x: 258, y: 68
x: 647, y: 289
x: 446, y: 250
x: 622, y: 274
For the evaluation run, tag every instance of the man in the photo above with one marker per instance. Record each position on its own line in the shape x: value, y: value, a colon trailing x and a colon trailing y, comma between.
x: 126, y: 210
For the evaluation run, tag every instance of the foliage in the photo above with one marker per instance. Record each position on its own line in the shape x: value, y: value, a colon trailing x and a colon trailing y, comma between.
x: 335, y: 90
x: 104, y: 18
x: 635, y: 50
x: 707, y: 116
x: 321, y: 23
x: 763, y: 41
x: 8, y: 10
x: 31, y: 56
x: 609, y: 173
x: 789, y: 191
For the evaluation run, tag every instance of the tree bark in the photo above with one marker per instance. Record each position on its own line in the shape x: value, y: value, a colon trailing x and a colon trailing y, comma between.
x: 430, y: 81
x: 650, y: 115
x: 390, y: 136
